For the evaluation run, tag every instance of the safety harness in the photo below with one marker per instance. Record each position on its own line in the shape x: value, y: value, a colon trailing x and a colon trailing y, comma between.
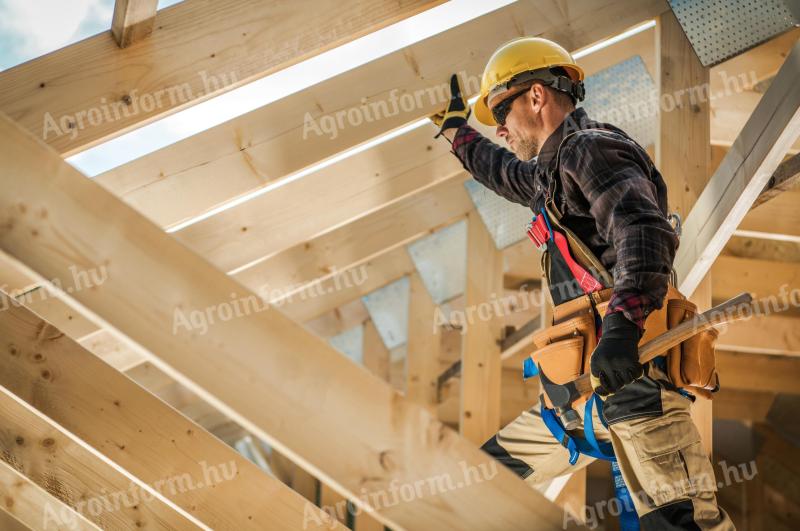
x: 562, y: 267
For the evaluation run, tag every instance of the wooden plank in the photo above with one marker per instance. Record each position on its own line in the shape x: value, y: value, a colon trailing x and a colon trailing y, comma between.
x: 111, y: 350
x: 322, y: 201
x: 743, y: 173
x: 786, y: 177
x: 376, y: 355
x: 759, y: 372
x: 347, y: 246
x: 319, y: 298
x: 480, y: 354
x: 198, y: 50
x: 26, y: 505
x: 681, y: 158
x: 778, y: 216
x: 240, y: 364
x: 133, y: 20
x: 52, y: 459
x: 770, y: 334
x: 285, y: 136
x: 424, y: 341
x: 137, y: 431
x: 742, y: 405
x: 732, y: 275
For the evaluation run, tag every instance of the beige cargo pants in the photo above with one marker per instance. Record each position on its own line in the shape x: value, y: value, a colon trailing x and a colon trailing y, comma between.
x: 657, y: 446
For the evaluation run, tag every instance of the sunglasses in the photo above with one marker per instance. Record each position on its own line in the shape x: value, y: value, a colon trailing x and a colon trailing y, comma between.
x: 501, y: 110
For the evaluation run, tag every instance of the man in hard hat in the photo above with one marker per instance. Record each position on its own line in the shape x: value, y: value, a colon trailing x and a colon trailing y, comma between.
x: 609, y: 194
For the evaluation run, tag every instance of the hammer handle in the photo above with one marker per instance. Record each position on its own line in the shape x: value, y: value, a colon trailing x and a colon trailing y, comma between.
x: 722, y: 313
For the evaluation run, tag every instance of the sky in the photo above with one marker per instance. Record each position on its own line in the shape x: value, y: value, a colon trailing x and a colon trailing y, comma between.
x: 30, y: 28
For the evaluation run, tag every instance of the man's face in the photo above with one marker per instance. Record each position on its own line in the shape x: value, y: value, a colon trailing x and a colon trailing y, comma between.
x: 523, y: 122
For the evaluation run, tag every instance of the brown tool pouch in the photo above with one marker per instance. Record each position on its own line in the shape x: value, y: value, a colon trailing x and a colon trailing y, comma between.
x: 564, y: 349
x: 691, y: 364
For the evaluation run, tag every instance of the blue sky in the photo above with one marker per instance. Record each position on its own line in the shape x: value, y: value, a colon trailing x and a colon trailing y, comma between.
x: 30, y: 28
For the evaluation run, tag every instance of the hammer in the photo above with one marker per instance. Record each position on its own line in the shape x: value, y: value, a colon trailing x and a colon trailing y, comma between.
x: 562, y: 396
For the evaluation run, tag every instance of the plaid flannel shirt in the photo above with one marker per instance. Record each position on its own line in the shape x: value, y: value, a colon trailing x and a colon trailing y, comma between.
x: 609, y: 193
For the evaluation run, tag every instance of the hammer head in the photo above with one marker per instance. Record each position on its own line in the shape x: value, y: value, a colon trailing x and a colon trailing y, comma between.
x: 562, y: 397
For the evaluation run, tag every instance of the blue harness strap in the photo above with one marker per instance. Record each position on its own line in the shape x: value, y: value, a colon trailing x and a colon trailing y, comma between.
x: 589, y: 445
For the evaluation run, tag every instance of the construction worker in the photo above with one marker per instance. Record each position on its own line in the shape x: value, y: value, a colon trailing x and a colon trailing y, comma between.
x: 610, y: 195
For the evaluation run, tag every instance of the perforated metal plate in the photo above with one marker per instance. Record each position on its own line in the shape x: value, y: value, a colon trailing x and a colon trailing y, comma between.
x: 350, y: 343
x: 441, y: 260
x: 388, y: 308
x: 625, y: 95
x: 505, y: 221
x: 721, y: 29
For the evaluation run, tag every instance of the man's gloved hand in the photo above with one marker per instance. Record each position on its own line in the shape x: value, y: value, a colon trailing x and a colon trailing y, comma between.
x: 615, y: 360
x: 457, y: 111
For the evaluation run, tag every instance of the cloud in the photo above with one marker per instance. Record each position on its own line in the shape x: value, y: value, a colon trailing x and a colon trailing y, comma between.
x: 29, y: 29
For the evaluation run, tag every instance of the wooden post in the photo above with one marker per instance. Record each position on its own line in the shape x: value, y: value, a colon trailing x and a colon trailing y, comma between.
x: 424, y: 341
x: 683, y: 149
x: 480, y: 354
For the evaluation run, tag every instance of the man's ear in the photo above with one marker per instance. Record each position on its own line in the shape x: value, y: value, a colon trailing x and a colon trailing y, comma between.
x: 536, y: 95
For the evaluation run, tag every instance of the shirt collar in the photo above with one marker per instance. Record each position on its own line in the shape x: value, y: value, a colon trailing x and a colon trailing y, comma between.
x: 574, y: 121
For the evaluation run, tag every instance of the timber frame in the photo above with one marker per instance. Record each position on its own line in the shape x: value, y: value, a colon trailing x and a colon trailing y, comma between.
x: 104, y: 390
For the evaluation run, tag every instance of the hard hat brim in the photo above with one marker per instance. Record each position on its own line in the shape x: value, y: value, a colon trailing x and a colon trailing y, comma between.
x: 483, y: 114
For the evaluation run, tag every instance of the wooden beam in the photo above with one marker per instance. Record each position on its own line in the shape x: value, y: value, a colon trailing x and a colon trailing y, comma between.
x: 681, y: 158
x: 30, y: 506
x: 400, y: 223
x: 770, y: 334
x: 133, y: 20
x: 283, y: 137
x: 779, y: 217
x: 422, y: 352
x: 198, y: 50
x: 742, y: 405
x: 480, y: 351
x: 785, y: 177
x: 277, y: 220
x: 51, y: 458
x: 759, y: 372
x: 376, y: 355
x: 318, y: 298
x: 743, y: 173
x: 733, y: 275
x: 240, y: 364
x: 137, y: 431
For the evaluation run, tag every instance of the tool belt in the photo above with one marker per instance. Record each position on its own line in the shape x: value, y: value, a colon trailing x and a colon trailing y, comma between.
x: 564, y: 349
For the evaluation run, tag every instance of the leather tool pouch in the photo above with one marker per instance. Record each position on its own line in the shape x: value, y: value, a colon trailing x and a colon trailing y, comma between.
x: 690, y: 365
x: 563, y: 350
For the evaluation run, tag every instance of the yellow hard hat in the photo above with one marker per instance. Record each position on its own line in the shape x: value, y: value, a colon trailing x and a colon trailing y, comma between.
x: 517, y: 57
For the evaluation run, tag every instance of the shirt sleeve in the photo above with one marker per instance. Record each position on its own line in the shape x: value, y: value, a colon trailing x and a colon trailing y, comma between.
x: 494, y: 166
x: 616, y: 177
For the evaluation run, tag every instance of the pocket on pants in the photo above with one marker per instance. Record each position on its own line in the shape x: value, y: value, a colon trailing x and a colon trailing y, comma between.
x: 671, y: 459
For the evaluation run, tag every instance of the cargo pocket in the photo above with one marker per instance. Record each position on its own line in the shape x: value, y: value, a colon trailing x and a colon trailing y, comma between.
x: 671, y: 460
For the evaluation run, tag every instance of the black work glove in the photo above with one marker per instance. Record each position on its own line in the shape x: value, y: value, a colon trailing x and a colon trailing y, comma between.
x: 615, y: 360
x: 457, y: 111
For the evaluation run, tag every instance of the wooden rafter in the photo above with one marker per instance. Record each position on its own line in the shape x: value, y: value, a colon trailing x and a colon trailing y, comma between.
x: 198, y: 50
x: 139, y: 432
x: 279, y: 139
x: 240, y: 364
x: 742, y: 175
x: 48, y: 455
x: 26, y: 505
x: 133, y: 20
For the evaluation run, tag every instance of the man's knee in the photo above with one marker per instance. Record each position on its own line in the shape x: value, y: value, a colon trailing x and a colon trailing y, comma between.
x: 519, y: 467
